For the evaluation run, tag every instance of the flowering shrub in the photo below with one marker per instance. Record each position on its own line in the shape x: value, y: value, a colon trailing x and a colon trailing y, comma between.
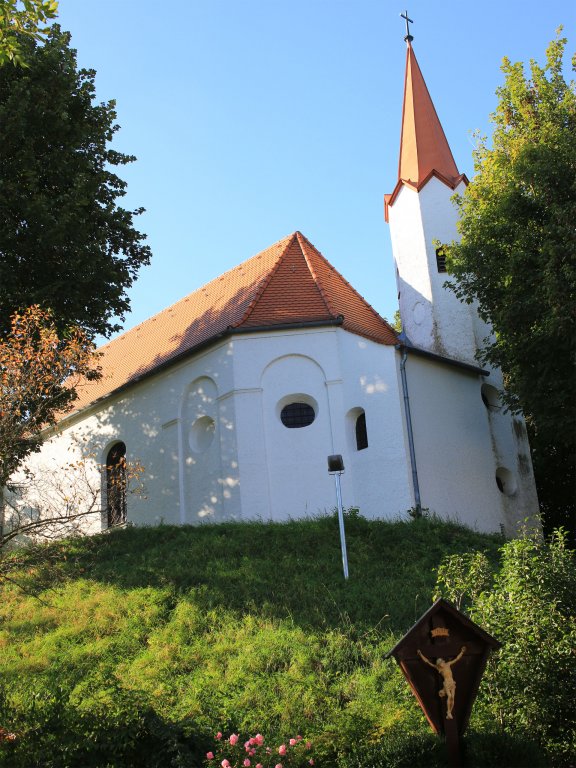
x: 254, y: 753
x: 6, y: 735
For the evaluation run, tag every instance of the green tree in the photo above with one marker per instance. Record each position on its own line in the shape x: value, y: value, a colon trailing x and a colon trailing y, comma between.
x: 529, y: 605
x: 65, y: 243
x: 516, y: 257
x: 27, y: 18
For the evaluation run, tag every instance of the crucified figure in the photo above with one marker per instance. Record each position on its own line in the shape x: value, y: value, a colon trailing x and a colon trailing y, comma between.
x: 443, y: 667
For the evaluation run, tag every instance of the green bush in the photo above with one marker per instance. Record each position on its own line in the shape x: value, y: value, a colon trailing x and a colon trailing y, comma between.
x: 529, y: 604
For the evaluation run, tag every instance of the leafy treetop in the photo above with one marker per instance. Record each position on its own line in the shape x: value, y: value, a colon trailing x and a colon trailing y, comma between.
x: 517, y: 258
x: 26, y: 18
x: 65, y: 243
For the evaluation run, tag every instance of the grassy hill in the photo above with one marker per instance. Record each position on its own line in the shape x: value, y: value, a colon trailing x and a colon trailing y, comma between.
x: 139, y: 644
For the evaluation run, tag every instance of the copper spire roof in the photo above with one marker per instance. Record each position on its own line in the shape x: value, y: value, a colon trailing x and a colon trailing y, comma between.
x: 424, y: 149
x: 288, y: 284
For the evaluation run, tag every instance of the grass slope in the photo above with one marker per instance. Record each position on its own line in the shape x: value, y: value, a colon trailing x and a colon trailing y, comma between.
x: 144, y: 642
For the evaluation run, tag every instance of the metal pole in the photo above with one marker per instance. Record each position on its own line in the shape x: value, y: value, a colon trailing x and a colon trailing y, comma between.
x: 341, y: 522
x: 415, y: 483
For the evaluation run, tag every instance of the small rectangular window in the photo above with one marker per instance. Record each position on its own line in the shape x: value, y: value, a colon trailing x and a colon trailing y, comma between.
x: 440, y: 260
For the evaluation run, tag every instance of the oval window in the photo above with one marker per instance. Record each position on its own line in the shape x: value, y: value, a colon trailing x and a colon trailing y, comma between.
x: 490, y: 396
x: 297, y: 415
x: 202, y: 434
x: 505, y: 481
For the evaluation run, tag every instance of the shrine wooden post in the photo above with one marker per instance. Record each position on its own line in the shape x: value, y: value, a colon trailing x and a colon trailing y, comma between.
x: 443, y: 658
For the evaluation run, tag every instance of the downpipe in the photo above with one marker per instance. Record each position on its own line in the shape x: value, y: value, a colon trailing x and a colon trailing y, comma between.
x: 409, y: 430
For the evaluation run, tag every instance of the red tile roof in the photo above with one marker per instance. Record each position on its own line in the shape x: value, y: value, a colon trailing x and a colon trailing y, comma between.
x: 286, y: 284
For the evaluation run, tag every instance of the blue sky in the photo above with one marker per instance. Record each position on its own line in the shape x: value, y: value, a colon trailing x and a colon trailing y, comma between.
x: 251, y: 119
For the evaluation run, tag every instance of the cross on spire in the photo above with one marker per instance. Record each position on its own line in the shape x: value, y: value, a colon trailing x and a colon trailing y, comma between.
x: 408, y: 21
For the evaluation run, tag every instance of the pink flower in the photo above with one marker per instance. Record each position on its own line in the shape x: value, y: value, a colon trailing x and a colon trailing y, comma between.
x: 246, y: 763
x: 219, y: 735
x: 259, y: 739
x: 292, y: 742
x: 225, y: 764
x: 282, y: 749
x: 210, y: 755
x: 311, y: 761
x: 308, y: 745
x: 259, y: 765
x: 233, y: 738
x: 299, y: 737
x: 278, y: 765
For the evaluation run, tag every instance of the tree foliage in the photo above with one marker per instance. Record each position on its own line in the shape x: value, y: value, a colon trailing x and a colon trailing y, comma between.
x: 529, y: 605
x: 27, y: 18
x: 65, y: 243
x: 517, y: 255
x: 38, y: 371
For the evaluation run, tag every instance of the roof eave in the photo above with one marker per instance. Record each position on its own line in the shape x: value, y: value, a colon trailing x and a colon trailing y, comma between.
x: 217, y: 338
x: 452, y: 183
x: 402, y: 347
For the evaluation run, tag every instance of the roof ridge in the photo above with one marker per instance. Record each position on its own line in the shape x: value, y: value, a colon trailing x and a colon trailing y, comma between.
x: 348, y: 284
x: 317, y: 280
x: 266, y: 282
x: 203, y: 287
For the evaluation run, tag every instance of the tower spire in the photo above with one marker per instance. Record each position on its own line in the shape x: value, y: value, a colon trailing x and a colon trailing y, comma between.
x: 424, y: 148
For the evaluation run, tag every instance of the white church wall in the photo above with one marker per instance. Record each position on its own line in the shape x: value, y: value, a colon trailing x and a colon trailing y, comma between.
x: 58, y: 482
x: 191, y: 463
x: 512, y: 451
x: 164, y: 423
x: 456, y: 451
x: 296, y: 458
x: 202, y: 489
x: 379, y: 473
x: 283, y: 471
x: 335, y: 371
x: 209, y: 436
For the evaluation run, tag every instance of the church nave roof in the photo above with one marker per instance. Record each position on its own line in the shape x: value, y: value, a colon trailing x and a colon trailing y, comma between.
x: 288, y: 284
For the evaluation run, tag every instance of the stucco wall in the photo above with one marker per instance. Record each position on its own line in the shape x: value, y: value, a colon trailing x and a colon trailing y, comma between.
x: 209, y: 436
x: 433, y: 318
x: 460, y: 444
x: 336, y: 372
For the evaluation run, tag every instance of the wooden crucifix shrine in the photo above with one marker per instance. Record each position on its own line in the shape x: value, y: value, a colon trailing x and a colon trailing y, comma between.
x: 443, y: 658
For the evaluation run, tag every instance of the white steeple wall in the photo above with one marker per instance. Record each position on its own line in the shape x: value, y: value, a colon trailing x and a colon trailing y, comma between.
x: 432, y: 316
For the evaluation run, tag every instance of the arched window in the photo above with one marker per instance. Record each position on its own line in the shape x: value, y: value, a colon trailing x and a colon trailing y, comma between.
x: 361, y: 433
x: 116, y: 485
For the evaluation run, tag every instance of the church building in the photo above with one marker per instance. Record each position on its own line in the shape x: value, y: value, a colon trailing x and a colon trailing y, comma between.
x: 233, y: 398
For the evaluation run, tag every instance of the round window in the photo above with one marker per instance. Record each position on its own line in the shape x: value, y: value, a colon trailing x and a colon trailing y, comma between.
x: 505, y: 481
x: 490, y: 396
x: 202, y: 434
x: 297, y: 415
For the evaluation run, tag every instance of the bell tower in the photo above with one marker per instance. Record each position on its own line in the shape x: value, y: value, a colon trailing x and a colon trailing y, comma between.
x: 420, y: 212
